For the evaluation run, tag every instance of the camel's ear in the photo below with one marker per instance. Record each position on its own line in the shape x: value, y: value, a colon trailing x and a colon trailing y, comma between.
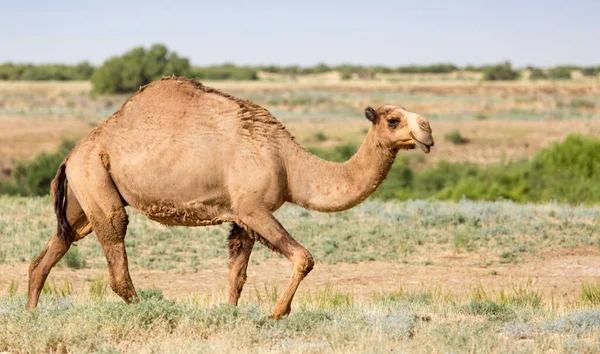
x: 371, y: 114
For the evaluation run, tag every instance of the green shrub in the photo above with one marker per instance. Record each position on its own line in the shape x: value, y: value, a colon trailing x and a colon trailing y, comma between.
x: 455, y: 137
x: 502, y: 71
x: 320, y: 136
x: 34, y: 177
x: 74, y: 258
x: 136, y: 68
x: 565, y: 172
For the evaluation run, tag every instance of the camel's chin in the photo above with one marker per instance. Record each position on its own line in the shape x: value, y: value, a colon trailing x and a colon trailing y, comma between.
x: 407, y: 146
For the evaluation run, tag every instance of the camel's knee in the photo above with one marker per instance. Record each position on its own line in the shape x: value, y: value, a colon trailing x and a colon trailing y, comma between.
x: 119, y: 220
x: 113, y: 228
x: 303, y: 262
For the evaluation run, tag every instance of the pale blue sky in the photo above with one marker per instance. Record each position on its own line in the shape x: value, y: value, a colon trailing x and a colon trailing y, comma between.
x: 389, y: 32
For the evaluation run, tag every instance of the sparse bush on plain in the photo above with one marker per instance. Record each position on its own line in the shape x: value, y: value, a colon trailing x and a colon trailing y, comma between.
x: 456, y: 138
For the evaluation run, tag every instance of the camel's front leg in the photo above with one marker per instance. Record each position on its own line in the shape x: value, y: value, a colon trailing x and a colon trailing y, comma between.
x: 277, y: 238
x: 240, y: 247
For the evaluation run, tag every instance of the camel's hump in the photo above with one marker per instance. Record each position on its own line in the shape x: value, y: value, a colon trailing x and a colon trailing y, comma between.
x: 179, y: 102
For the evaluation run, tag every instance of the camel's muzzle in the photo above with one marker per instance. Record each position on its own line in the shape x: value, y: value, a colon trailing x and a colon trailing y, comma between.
x: 424, y: 145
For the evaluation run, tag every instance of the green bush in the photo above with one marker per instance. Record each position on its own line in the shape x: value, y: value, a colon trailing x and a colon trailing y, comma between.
x: 138, y: 67
x: 455, y: 138
x: 566, y: 172
x: 74, y: 258
x: 502, y: 71
x: 34, y: 177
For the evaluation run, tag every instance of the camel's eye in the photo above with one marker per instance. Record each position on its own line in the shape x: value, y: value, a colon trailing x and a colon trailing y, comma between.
x: 393, y: 122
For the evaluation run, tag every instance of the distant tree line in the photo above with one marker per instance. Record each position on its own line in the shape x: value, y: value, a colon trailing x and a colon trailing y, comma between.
x: 139, y: 66
x: 80, y: 71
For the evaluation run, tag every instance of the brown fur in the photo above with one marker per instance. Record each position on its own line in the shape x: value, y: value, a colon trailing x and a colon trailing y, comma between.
x: 182, y: 153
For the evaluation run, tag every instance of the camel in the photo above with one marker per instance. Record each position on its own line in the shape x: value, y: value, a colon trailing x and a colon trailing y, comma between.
x: 182, y: 153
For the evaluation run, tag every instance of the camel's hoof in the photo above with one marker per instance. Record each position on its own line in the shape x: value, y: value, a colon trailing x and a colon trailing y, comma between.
x: 275, y: 317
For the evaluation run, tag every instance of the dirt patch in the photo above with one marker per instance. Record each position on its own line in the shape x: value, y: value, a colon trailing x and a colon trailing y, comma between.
x: 558, y: 277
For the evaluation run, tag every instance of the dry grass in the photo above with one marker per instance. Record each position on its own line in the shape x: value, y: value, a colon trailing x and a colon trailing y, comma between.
x: 329, y: 322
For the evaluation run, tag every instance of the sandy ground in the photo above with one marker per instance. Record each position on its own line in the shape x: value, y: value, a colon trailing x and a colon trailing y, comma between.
x: 559, y: 277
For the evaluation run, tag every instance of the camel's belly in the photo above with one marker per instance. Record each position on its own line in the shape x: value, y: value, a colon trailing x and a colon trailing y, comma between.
x: 188, y: 214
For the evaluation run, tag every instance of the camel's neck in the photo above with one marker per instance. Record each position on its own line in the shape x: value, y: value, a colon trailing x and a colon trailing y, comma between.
x: 329, y: 186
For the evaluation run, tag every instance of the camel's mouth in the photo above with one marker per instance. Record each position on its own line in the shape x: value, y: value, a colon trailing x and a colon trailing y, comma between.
x: 425, y: 147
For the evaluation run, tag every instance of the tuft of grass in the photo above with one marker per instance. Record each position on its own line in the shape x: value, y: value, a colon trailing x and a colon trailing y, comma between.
x: 522, y: 295
x: 326, y: 299
x: 63, y: 290
x: 590, y: 293
x: 98, y: 289
x: 461, y: 240
x: 519, y: 296
x: 268, y: 296
x: 12, y: 288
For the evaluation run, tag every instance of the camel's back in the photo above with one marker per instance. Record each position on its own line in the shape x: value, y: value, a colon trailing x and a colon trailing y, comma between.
x: 181, y: 140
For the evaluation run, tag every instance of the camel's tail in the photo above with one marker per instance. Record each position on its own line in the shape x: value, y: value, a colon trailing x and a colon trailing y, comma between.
x: 63, y: 229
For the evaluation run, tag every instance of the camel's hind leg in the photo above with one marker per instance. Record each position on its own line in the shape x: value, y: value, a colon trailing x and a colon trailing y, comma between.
x: 55, y: 249
x: 240, y: 247
x: 105, y: 210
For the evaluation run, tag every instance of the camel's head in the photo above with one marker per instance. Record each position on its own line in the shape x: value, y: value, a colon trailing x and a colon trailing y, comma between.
x: 399, y: 128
